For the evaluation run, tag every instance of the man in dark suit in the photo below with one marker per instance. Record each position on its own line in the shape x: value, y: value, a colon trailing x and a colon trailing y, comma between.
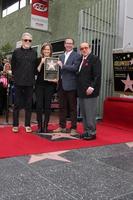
x: 89, y: 81
x: 67, y: 87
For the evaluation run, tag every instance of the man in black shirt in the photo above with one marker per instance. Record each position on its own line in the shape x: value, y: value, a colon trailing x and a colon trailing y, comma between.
x: 23, y: 69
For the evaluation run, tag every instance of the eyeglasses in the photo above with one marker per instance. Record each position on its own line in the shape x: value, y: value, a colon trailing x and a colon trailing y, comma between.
x: 26, y: 40
x: 82, y: 48
x: 68, y: 43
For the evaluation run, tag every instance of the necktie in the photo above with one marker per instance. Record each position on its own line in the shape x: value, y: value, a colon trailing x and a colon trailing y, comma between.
x: 82, y: 63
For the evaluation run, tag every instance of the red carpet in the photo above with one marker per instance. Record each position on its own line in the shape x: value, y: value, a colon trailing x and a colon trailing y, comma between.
x: 24, y: 144
x: 118, y: 112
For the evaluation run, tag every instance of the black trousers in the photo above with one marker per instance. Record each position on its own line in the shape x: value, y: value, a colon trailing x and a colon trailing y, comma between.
x: 22, y: 99
x: 44, y: 96
x: 68, y: 99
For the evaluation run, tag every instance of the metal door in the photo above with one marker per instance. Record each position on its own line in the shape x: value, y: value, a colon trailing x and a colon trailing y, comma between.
x: 99, y: 26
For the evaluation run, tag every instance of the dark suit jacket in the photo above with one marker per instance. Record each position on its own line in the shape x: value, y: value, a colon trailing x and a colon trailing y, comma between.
x: 89, y: 75
x: 69, y: 70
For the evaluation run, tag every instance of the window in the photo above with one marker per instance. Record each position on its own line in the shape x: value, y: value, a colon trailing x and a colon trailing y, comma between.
x: 22, y: 3
x: 14, y: 7
x: 10, y: 9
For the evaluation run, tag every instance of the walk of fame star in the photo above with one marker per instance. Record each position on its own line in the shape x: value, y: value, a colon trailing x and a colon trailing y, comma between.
x: 128, y: 83
x: 52, y: 156
x: 58, y: 136
x: 129, y: 144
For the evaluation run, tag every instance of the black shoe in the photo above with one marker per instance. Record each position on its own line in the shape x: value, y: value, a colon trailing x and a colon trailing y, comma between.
x: 84, y: 135
x: 90, y: 137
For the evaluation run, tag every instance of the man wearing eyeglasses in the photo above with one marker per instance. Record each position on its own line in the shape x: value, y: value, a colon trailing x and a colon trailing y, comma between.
x: 23, y: 68
x: 89, y: 81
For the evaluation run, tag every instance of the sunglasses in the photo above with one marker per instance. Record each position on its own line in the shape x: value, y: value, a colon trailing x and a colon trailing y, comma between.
x: 82, y: 48
x: 26, y: 40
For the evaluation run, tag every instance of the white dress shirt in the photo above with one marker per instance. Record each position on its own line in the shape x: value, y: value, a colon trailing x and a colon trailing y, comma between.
x: 67, y: 54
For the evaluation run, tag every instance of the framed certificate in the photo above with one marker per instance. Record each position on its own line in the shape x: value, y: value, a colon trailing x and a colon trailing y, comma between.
x: 51, y: 69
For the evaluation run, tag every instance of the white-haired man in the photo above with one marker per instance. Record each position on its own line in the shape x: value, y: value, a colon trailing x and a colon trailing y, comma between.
x: 23, y: 68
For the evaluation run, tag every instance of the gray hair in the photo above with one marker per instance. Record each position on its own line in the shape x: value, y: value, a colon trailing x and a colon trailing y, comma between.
x: 26, y: 34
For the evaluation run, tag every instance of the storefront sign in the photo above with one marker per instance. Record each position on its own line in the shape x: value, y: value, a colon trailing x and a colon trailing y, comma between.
x: 39, y: 14
x: 123, y: 71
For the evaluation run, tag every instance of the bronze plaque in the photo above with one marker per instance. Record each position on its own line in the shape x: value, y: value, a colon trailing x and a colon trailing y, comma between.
x: 51, y: 69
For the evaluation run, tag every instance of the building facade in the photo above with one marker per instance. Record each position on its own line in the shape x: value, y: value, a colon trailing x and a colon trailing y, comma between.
x: 95, y: 21
x: 62, y: 22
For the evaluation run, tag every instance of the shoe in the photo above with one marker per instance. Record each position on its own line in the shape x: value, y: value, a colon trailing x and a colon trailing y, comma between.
x: 28, y: 129
x: 90, y: 137
x: 64, y: 130
x: 73, y: 132
x: 83, y: 135
x: 15, y: 129
x: 59, y: 130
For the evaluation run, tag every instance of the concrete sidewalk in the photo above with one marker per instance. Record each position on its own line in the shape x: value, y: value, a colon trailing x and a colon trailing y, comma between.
x: 102, y: 173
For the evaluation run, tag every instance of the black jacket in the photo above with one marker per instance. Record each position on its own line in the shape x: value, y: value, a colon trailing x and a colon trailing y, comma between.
x: 89, y: 75
x: 24, y: 63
